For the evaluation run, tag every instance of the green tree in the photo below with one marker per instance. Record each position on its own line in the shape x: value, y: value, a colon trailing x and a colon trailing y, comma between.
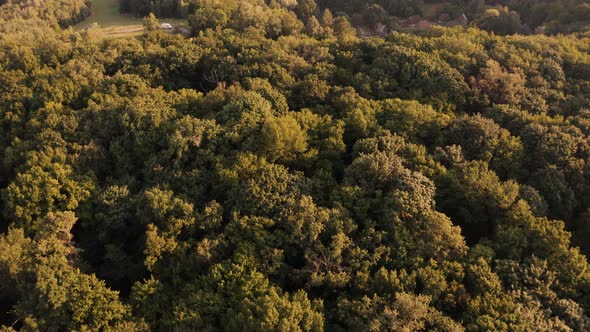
x: 283, y: 139
x: 306, y: 9
x: 150, y: 23
x: 53, y: 293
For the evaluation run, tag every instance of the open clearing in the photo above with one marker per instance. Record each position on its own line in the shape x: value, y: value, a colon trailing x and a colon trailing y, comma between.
x: 106, y: 15
x: 113, y: 24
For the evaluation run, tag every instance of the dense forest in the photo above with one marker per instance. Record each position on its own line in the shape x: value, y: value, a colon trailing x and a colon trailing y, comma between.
x: 54, y: 12
x: 275, y: 171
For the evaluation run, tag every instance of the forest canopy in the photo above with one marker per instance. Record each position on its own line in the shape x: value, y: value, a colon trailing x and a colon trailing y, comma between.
x: 277, y: 170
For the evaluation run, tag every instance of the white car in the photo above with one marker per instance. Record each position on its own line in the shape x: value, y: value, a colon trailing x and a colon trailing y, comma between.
x: 167, y: 26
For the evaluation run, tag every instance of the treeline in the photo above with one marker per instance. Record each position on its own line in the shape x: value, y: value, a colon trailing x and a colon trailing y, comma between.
x: 162, y: 8
x: 501, y: 17
x: 556, y: 16
x: 273, y: 173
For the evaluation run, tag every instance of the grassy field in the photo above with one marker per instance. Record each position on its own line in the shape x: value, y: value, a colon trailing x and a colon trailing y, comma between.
x: 116, y: 25
x: 106, y: 14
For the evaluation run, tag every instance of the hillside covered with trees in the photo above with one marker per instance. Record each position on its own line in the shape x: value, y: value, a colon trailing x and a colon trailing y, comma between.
x: 275, y: 171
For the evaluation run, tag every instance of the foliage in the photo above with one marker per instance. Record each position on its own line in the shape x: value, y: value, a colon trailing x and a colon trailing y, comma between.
x: 278, y: 171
